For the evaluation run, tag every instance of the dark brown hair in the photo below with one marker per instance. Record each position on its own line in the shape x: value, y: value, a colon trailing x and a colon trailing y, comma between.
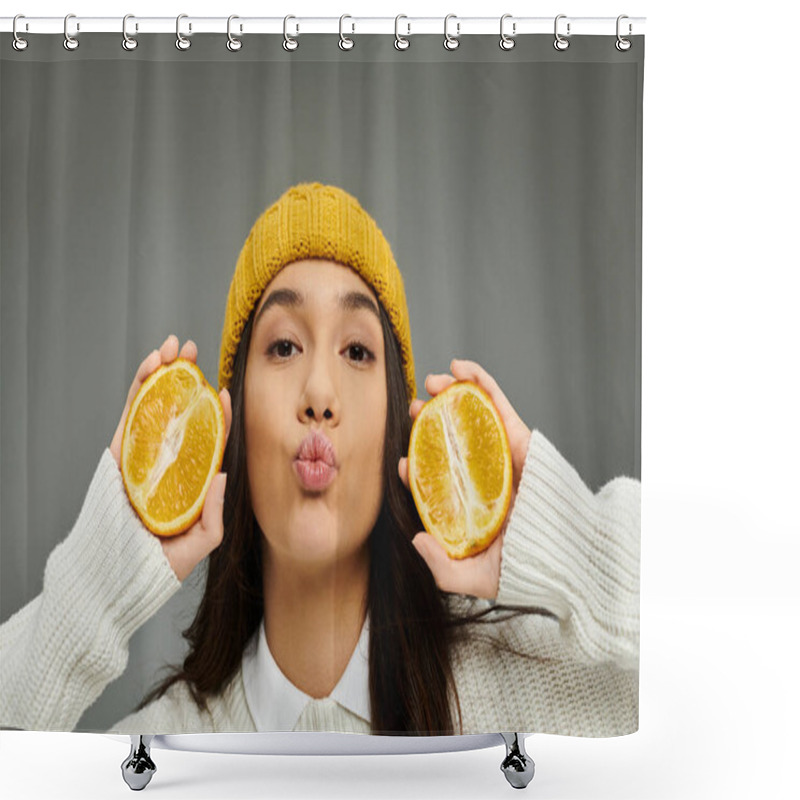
x: 412, y: 627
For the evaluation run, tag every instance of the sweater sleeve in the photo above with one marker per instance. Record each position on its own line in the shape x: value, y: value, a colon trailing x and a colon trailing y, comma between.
x: 101, y: 583
x: 575, y: 554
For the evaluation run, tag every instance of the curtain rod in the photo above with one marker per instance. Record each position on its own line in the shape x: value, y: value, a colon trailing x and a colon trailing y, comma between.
x: 402, y: 25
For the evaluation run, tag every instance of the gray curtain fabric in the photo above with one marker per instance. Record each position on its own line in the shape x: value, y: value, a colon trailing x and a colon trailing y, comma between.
x: 508, y: 184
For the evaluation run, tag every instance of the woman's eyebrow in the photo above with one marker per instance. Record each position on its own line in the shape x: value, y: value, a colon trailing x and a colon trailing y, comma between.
x: 280, y: 297
x: 289, y: 298
x: 354, y: 300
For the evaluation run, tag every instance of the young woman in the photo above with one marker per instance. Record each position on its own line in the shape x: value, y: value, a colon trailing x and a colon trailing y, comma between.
x: 326, y: 605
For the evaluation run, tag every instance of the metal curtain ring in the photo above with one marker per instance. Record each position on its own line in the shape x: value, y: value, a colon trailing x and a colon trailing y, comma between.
x: 289, y: 43
x: 70, y: 43
x: 182, y: 43
x: 233, y: 44
x: 561, y: 43
x: 400, y: 42
x: 344, y: 42
x: 128, y: 42
x: 506, y: 41
x: 19, y: 43
x: 451, y: 42
x: 623, y: 44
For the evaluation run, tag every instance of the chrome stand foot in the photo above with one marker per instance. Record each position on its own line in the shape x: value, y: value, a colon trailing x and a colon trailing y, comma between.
x: 138, y: 767
x: 518, y: 766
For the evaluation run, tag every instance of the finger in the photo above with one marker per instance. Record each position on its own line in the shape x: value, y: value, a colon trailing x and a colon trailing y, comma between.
x: 186, y: 551
x: 474, y: 576
x: 189, y: 351
x: 445, y: 569
x: 169, y: 350
x: 212, y: 511
x: 415, y: 408
x: 466, y: 370
x: 438, y: 383
x: 225, y: 399
x: 402, y: 470
x: 145, y: 368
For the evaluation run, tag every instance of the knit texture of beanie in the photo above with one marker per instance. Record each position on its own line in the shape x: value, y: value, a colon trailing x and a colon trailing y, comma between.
x: 312, y: 220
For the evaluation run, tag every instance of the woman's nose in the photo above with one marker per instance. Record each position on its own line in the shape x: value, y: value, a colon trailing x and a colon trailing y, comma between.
x: 327, y: 414
x: 321, y: 392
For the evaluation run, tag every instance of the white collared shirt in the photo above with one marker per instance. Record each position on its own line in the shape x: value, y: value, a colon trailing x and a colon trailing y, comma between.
x: 276, y: 704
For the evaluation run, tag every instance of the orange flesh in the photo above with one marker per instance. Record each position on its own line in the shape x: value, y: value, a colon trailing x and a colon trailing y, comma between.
x: 172, y: 447
x: 460, y: 469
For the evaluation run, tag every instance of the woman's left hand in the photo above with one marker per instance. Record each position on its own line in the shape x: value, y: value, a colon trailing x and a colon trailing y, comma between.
x: 477, y: 575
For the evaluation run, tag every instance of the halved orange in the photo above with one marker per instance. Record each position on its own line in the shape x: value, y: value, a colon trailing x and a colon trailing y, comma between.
x: 459, y: 469
x: 172, y: 447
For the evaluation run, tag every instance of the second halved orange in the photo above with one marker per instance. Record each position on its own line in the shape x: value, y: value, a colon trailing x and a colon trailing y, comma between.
x: 459, y: 469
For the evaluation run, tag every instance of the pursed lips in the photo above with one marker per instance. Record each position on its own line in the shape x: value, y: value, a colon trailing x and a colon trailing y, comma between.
x: 314, y: 475
x: 315, y: 463
x: 316, y: 446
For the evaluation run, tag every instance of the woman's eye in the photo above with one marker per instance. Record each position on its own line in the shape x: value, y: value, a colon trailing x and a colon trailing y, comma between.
x: 356, y: 349
x: 281, y: 347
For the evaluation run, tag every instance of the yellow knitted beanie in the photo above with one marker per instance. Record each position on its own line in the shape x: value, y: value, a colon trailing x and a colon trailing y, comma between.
x: 311, y: 220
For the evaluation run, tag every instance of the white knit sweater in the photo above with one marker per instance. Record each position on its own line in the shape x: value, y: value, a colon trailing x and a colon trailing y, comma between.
x: 566, y: 550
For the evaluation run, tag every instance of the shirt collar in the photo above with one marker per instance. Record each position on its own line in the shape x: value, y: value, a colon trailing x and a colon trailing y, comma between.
x: 276, y: 703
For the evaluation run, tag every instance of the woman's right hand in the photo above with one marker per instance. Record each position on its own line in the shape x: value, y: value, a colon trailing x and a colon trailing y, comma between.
x: 186, y: 550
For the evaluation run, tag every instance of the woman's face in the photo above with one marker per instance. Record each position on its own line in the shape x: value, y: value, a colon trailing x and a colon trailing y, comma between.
x: 316, y: 363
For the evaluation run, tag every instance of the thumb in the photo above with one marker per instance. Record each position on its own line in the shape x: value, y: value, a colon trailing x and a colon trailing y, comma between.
x: 419, y: 541
x: 437, y: 560
x: 185, y: 552
x: 212, y: 509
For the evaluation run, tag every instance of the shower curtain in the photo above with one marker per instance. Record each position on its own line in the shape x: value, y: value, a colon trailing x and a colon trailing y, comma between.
x: 507, y: 184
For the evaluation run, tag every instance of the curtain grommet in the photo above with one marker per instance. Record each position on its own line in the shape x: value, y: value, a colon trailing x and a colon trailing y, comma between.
x: 401, y: 42
x: 70, y: 42
x: 289, y: 42
x: 622, y: 44
x: 18, y: 43
x: 128, y: 42
x: 561, y: 42
x: 233, y: 44
x: 344, y: 42
x: 507, y: 41
x: 182, y: 43
x: 451, y: 42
